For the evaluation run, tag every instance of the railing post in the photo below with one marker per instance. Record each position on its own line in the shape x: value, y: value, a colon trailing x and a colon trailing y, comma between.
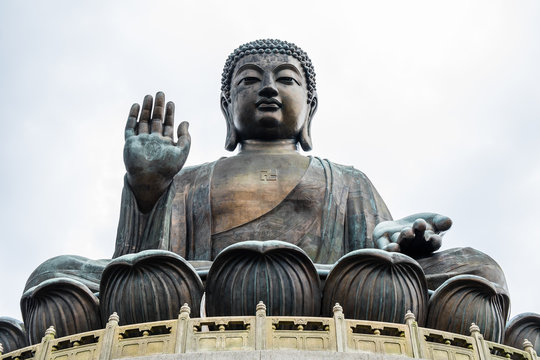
x: 109, y: 337
x: 260, y: 327
x: 417, y: 344
x: 182, y: 329
x: 44, y: 349
x: 341, y: 328
x: 481, y: 346
x: 528, y: 347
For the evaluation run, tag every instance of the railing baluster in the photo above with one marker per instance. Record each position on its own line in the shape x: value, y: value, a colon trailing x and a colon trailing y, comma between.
x: 341, y: 328
x: 109, y: 338
x: 182, y: 329
x: 260, y: 327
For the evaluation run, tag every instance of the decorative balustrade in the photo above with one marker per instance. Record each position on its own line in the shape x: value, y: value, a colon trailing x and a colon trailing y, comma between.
x: 262, y: 332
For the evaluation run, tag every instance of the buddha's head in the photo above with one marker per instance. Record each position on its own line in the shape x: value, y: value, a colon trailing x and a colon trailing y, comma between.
x: 268, y: 93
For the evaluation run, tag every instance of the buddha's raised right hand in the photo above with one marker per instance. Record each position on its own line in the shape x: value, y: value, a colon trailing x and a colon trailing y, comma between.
x: 151, y: 156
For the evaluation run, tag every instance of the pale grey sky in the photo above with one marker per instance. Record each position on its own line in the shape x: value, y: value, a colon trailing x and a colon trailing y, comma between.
x: 437, y: 102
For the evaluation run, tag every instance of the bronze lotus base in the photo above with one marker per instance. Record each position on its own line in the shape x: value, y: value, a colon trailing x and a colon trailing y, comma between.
x: 373, y: 285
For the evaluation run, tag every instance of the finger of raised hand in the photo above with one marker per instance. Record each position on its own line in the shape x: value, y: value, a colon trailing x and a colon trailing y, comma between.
x: 442, y: 223
x: 168, y: 125
x: 145, y: 115
x: 131, y: 121
x: 157, y: 115
x: 184, y: 139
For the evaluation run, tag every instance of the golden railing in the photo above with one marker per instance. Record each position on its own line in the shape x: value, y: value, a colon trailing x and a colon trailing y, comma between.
x: 262, y: 332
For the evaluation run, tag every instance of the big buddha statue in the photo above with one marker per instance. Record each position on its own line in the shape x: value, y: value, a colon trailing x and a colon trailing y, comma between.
x: 267, y: 223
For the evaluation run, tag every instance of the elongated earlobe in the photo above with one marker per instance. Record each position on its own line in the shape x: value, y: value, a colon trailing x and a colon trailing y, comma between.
x: 305, y: 134
x: 231, y: 141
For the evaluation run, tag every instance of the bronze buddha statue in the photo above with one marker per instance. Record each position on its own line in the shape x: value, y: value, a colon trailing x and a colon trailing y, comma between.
x: 267, y: 192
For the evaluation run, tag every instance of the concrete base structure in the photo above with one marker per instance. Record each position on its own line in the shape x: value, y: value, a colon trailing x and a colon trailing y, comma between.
x: 269, y: 337
x: 274, y: 355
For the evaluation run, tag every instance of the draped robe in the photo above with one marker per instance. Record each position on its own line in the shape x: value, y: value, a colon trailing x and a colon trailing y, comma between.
x: 331, y: 211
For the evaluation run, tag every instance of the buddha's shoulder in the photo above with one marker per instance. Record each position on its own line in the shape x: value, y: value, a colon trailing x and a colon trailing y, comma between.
x: 196, y: 173
x: 345, y: 173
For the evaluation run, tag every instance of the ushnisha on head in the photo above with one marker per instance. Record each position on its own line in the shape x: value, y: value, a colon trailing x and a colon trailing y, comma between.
x: 268, y: 93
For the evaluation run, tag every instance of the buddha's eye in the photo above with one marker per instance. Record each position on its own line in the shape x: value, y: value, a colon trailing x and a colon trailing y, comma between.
x: 248, y: 80
x: 287, y: 80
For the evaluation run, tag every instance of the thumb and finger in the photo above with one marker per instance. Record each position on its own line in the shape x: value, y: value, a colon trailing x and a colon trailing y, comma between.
x: 434, y: 242
x: 441, y: 223
x: 156, y: 124
x: 405, y: 237
x: 392, y: 247
x: 434, y: 222
x: 184, y: 138
x: 168, y: 124
x: 131, y: 121
x: 384, y: 243
x: 437, y: 222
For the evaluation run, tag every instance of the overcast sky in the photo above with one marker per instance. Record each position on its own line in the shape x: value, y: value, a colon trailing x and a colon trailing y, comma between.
x: 437, y: 102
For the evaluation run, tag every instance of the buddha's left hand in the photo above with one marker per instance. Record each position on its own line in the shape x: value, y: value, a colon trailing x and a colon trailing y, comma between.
x: 416, y: 235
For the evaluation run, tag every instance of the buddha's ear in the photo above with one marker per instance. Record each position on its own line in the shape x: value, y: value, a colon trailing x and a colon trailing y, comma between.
x: 231, y: 141
x: 305, y: 133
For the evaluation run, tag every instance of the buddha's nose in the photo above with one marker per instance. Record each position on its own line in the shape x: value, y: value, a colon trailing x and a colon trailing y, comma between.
x: 268, y: 88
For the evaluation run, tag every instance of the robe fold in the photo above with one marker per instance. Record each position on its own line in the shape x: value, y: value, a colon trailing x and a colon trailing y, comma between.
x: 331, y: 211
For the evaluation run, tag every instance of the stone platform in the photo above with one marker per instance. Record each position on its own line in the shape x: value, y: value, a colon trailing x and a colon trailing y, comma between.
x: 273, y: 355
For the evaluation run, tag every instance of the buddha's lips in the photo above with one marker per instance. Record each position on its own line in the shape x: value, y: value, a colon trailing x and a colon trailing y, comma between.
x: 268, y: 104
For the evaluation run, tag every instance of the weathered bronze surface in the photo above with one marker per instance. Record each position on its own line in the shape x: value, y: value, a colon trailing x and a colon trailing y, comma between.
x: 12, y: 334
x: 376, y: 285
x: 521, y: 327
x: 64, y: 303
x: 149, y: 286
x: 268, y: 191
x: 275, y: 272
x: 467, y: 299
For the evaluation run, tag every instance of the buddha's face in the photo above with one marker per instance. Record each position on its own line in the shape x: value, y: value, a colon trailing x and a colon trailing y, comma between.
x: 268, y: 98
